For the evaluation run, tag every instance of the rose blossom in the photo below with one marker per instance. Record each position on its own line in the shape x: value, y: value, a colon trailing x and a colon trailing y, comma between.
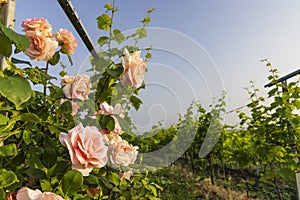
x: 106, y: 109
x: 29, y: 194
x: 121, y: 153
x: 87, y: 148
x: 134, y: 69
x: 67, y: 40
x: 126, y: 175
x: 118, y: 129
x: 39, y: 25
x: 41, y: 47
x: 77, y: 87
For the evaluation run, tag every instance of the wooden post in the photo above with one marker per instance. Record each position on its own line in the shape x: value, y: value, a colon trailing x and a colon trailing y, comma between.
x: 7, y: 13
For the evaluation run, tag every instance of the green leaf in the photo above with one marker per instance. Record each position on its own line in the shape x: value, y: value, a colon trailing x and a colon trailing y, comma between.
x: 119, y: 37
x: 106, y: 182
x: 2, y: 194
x: 55, y: 58
x: 27, y: 117
x: 21, y: 42
x: 7, y: 178
x: 297, y: 103
x: 141, y: 32
x: 102, y: 40
x: 114, y: 178
x: 27, y: 135
x: 70, y: 59
x: 148, y: 55
x: 45, y: 185
x: 135, y: 102
x: 3, y: 119
x: 153, y: 189
x: 146, y: 20
x: 49, y: 157
x: 151, y: 10
x: 35, y: 161
x: 91, y: 179
x: 8, y: 150
x: 123, y: 185
x: 107, y: 122
x: 71, y: 182
x: 104, y: 22
x: 16, y: 89
x: 108, y: 6
x: 35, y: 173
x: 116, y: 71
x: 5, y: 44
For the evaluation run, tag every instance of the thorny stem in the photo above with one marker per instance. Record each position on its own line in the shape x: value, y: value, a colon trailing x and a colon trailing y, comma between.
x: 46, y: 72
x: 110, y: 29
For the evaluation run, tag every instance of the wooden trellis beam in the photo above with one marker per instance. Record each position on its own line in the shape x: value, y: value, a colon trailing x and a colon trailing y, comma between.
x: 7, y: 16
x: 75, y: 20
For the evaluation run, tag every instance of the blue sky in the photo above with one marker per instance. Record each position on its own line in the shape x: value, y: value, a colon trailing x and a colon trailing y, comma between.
x: 234, y: 36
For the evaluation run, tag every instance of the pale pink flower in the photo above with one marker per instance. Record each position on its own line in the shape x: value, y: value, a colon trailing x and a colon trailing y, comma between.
x: 67, y: 40
x: 87, y: 148
x: 77, y: 87
x: 29, y: 194
x: 106, y: 109
x: 74, y: 105
x: 134, y: 69
x: 118, y: 129
x: 50, y: 196
x: 41, y: 47
x: 121, y: 153
x: 38, y: 25
x: 126, y: 175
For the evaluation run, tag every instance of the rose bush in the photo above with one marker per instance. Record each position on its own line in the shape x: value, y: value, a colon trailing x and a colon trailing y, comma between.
x: 65, y: 142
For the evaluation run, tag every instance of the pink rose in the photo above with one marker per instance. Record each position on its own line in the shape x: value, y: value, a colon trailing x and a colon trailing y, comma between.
x: 51, y: 196
x: 39, y: 25
x: 77, y: 87
x: 41, y: 47
x: 106, y: 109
x: 118, y: 129
x: 29, y: 194
x: 134, y: 69
x: 121, y: 153
x: 87, y: 148
x: 67, y: 40
x: 74, y: 105
x: 126, y: 175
